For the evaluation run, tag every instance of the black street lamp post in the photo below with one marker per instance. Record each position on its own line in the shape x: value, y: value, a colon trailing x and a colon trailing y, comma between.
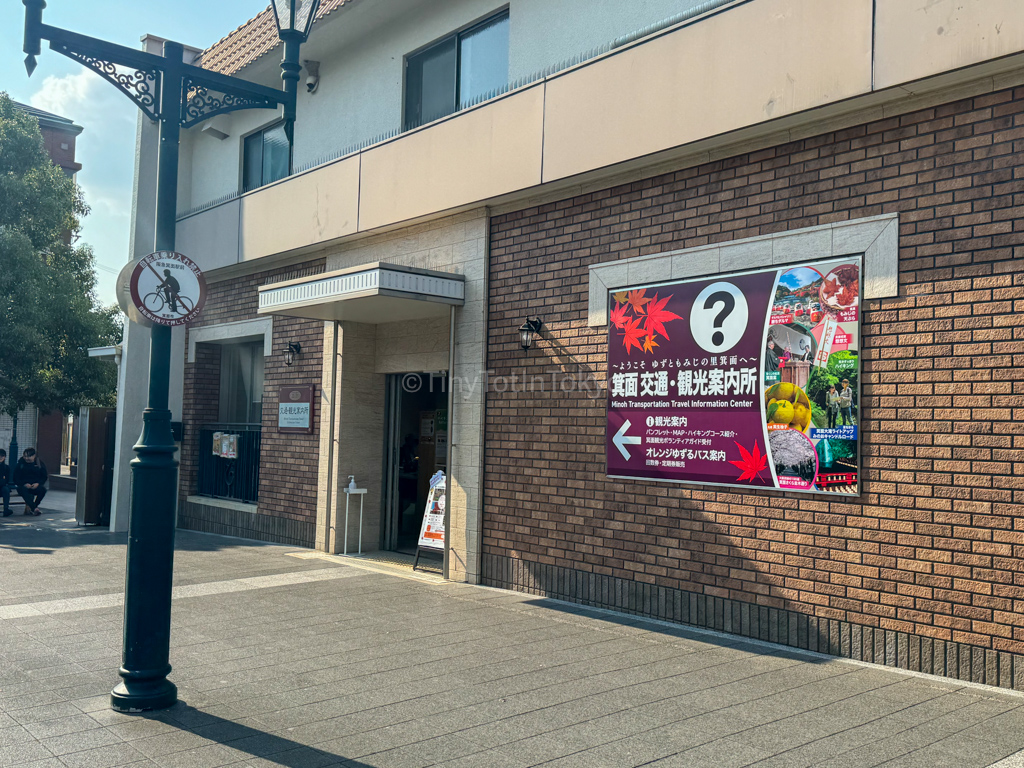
x: 176, y: 95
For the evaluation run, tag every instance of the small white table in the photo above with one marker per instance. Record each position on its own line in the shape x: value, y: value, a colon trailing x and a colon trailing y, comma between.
x: 349, y: 493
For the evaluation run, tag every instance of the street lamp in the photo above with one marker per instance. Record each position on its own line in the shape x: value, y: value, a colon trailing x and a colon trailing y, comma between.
x: 294, y: 19
x: 176, y: 95
x: 528, y: 330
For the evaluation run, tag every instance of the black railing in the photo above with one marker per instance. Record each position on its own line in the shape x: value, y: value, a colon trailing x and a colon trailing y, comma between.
x: 230, y: 478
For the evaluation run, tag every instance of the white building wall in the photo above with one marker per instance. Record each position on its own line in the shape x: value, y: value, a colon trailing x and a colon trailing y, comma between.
x: 362, y: 52
x: 545, y: 32
x: 28, y: 432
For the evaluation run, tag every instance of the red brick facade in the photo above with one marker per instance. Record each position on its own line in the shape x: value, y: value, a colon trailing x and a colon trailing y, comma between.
x: 933, y: 547
x: 60, y: 146
x: 288, y: 463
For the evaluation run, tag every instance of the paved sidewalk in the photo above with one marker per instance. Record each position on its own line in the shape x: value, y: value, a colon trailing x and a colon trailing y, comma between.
x: 308, y: 661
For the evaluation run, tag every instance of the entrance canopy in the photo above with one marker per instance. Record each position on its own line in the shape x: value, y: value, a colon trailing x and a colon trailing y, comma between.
x: 371, y: 293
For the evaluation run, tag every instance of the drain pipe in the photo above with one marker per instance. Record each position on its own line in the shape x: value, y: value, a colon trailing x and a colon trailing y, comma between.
x: 332, y: 503
x: 450, y: 460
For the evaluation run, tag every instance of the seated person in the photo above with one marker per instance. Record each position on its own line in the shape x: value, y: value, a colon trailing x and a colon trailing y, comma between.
x: 30, y: 477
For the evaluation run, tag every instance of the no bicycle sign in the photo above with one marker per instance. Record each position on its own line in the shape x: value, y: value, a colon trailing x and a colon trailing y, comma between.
x: 167, y: 288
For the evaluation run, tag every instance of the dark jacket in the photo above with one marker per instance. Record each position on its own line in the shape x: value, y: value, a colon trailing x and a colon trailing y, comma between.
x: 26, y: 473
x: 5, y: 474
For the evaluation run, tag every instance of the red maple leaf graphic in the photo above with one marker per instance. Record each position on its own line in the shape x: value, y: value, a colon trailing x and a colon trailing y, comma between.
x: 657, y: 316
x: 618, y: 316
x: 752, y: 463
x: 632, y: 334
x: 636, y: 300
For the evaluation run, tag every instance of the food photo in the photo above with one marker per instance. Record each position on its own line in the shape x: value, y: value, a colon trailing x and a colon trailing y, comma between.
x: 787, y: 405
x: 840, y: 289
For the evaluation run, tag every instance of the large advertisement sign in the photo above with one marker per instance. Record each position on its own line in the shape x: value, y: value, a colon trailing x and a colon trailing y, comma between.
x: 748, y: 380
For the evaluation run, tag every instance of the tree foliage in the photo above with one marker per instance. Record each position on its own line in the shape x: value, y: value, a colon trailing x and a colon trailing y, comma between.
x: 49, y: 315
x: 841, y: 365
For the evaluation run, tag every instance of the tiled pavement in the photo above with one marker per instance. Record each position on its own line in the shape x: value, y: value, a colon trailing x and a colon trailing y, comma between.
x: 287, y: 661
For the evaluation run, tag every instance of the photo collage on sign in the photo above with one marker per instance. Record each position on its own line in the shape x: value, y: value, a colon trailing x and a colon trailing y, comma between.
x: 743, y: 380
x: 811, y: 372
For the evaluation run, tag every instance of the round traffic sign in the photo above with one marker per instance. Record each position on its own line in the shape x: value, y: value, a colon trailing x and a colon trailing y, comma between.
x: 123, y: 291
x: 167, y: 288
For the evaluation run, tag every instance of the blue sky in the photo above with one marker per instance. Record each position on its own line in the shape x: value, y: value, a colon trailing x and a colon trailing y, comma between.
x: 106, y: 148
x: 796, y: 278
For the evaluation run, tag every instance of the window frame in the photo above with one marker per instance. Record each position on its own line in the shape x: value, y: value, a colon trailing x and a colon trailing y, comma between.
x: 241, y: 151
x: 254, y: 344
x: 457, y: 36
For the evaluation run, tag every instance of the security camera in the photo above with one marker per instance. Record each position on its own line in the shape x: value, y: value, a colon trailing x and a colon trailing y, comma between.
x: 312, y: 75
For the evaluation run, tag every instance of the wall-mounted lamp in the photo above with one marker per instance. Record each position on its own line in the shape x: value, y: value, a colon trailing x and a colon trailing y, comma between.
x: 528, y: 330
x: 294, y: 350
x: 312, y: 75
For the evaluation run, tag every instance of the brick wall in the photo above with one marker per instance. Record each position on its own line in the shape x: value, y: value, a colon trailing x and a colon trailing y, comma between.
x: 201, y: 406
x: 931, y: 551
x: 55, y: 141
x: 288, y: 463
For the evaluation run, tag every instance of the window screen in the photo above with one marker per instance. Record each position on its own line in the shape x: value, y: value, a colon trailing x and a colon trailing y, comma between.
x: 266, y: 157
x: 483, y: 59
x: 456, y: 71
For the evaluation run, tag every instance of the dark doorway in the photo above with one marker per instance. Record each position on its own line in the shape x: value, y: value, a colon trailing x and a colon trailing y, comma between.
x: 416, y: 446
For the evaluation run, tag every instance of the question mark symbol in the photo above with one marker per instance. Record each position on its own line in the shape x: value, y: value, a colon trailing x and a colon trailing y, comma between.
x: 728, y: 302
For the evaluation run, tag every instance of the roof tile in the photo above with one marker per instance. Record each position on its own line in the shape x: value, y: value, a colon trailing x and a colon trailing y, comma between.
x: 254, y: 39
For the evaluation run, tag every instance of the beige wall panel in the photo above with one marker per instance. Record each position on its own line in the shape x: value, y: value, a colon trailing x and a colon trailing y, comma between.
x: 412, y: 346
x: 473, y: 156
x: 360, y: 393
x: 747, y: 65
x: 310, y: 208
x: 917, y: 38
x: 210, y: 238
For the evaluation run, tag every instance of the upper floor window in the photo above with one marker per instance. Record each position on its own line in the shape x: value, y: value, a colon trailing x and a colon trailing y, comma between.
x: 453, y: 73
x: 266, y: 157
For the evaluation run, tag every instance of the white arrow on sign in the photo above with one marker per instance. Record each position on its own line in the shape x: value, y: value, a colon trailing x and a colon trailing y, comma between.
x: 621, y: 440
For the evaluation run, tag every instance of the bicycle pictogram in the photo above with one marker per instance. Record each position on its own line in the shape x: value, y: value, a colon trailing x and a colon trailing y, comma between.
x: 172, y: 298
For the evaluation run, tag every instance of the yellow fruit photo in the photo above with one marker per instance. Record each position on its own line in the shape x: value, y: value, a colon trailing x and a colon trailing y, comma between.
x: 788, y: 405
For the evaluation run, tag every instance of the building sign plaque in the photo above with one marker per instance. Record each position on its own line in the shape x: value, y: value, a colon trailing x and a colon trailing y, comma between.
x: 295, y: 410
x: 748, y: 380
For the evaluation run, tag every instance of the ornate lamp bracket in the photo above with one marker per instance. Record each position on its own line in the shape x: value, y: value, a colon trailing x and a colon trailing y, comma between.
x: 142, y: 86
x: 201, y: 102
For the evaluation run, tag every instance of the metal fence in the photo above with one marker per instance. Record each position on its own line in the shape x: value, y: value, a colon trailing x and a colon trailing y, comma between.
x: 237, y: 478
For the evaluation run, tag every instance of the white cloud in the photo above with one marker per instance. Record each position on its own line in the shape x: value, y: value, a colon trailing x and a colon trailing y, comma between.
x: 106, y: 150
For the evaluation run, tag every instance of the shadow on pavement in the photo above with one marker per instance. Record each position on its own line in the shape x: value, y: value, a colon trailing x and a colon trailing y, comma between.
x: 55, y: 530
x: 711, y: 637
x: 264, y: 746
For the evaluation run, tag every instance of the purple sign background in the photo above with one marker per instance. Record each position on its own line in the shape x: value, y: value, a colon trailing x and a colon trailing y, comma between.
x: 685, y: 373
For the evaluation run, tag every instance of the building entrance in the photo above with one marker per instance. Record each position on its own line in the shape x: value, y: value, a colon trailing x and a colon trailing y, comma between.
x: 416, y: 446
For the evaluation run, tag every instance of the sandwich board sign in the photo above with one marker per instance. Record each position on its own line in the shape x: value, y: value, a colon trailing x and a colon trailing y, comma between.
x: 432, y: 528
